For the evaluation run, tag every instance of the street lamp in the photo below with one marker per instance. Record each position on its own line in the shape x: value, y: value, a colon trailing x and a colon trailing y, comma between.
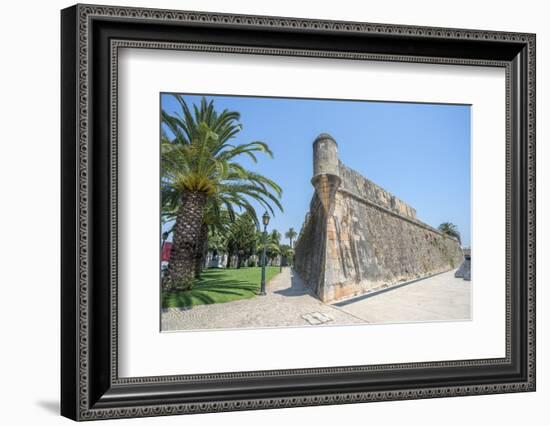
x: 265, y: 220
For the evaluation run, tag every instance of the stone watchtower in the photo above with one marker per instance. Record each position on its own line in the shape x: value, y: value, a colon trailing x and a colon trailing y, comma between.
x: 326, y: 176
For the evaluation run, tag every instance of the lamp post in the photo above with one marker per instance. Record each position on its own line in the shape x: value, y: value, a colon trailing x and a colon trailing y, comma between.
x: 265, y: 221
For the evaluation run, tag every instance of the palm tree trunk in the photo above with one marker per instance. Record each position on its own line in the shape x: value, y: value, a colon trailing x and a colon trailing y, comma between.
x: 181, y: 269
x: 202, y: 251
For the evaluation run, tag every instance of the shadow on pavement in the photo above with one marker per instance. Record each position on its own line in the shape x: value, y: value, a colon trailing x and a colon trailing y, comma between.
x: 297, y: 287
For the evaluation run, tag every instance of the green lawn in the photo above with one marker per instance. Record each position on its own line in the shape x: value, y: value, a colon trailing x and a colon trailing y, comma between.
x: 220, y: 286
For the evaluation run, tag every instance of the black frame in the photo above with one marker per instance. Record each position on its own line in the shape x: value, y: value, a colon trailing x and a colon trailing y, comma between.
x: 90, y: 386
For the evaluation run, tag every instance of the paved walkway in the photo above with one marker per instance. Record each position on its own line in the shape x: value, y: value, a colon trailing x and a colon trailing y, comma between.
x: 290, y: 303
x: 439, y: 298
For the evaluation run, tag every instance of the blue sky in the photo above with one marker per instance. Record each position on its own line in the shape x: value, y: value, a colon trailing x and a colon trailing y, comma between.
x: 418, y: 152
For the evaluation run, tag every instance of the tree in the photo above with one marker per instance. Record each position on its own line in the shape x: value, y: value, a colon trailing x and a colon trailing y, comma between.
x: 217, y: 241
x: 242, y: 240
x: 215, y: 222
x: 291, y: 234
x: 272, y: 244
x: 288, y: 253
x: 275, y: 237
x: 450, y: 229
x: 199, y: 175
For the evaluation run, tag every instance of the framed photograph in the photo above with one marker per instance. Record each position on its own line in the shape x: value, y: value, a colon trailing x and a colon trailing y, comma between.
x: 263, y: 212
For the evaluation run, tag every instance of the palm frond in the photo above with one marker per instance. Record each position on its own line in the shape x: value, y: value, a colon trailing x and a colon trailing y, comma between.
x: 200, y: 157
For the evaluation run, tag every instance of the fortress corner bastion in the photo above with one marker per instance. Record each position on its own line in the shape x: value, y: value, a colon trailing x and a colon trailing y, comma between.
x: 358, y: 237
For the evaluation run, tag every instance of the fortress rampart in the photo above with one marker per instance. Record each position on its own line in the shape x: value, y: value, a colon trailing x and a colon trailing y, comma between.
x: 358, y: 237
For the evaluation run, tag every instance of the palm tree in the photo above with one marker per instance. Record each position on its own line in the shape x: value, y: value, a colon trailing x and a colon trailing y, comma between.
x: 214, y: 221
x: 199, y: 175
x: 275, y: 237
x: 241, y: 239
x: 450, y: 229
x: 287, y: 253
x: 290, y: 234
x: 272, y: 244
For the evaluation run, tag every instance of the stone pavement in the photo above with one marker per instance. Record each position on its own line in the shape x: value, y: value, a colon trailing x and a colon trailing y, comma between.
x: 441, y: 297
x: 289, y: 303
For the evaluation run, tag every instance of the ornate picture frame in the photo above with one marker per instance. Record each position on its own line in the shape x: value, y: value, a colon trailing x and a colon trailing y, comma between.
x: 90, y: 38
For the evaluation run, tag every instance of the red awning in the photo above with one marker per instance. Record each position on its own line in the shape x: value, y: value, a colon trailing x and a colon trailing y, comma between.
x: 166, y: 250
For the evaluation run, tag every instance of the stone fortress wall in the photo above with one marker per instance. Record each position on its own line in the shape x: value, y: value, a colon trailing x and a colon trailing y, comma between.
x: 358, y: 237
